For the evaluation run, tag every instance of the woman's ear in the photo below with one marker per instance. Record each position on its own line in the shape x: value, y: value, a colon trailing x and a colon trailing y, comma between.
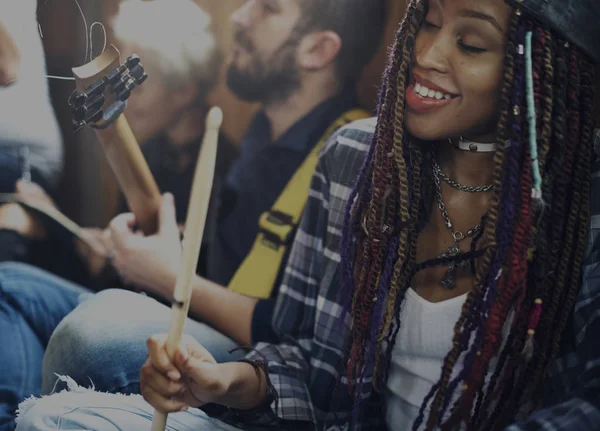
x: 318, y: 50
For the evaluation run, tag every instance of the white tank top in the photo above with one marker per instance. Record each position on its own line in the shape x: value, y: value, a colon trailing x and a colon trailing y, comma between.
x: 424, y: 340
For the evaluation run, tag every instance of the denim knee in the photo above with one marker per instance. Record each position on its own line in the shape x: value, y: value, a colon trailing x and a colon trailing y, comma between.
x: 71, y: 351
x: 13, y: 270
x: 98, y: 346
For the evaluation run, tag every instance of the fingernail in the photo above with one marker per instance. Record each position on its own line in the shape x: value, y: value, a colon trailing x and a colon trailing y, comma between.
x: 174, y: 375
x: 180, y: 358
x: 183, y: 409
x: 183, y: 354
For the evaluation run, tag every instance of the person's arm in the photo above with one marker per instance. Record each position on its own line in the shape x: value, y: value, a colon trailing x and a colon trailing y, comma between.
x: 305, y: 298
x: 152, y: 263
x: 291, y: 369
x: 581, y: 410
x: 228, y: 312
x: 231, y: 313
x: 270, y: 372
x: 247, y: 387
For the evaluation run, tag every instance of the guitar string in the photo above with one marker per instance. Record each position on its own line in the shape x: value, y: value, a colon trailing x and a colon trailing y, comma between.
x: 89, y: 43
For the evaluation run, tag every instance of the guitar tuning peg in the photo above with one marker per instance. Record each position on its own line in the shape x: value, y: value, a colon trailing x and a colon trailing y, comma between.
x: 79, y: 114
x: 114, y: 76
x: 121, y: 84
x: 132, y: 61
x: 77, y: 99
x: 125, y: 92
x: 138, y: 74
x: 90, y: 109
x: 140, y: 80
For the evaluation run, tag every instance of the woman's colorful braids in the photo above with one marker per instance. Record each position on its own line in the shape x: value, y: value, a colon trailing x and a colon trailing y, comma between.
x: 530, y: 267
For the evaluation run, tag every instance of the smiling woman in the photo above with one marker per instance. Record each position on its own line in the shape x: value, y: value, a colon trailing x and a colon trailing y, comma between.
x: 465, y: 226
x: 459, y: 58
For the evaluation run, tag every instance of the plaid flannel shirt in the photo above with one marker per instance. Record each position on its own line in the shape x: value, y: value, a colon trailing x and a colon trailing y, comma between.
x: 304, y: 368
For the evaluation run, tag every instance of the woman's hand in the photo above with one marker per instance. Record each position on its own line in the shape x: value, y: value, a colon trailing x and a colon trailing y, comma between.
x: 150, y: 263
x: 191, y: 379
x: 32, y: 193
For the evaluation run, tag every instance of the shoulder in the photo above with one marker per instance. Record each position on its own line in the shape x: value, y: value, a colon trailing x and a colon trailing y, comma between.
x: 355, y: 136
x: 344, y: 153
x: 340, y: 165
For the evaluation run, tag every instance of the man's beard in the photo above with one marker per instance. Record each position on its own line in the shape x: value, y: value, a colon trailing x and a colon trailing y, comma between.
x: 267, y: 81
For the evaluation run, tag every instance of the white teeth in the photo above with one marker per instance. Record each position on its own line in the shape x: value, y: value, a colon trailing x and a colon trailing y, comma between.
x: 423, y: 91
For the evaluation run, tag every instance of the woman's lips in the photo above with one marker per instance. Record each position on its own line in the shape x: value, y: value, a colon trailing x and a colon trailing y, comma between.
x: 420, y: 104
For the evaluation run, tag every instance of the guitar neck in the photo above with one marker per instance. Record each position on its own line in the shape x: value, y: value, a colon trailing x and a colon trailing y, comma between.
x: 133, y: 174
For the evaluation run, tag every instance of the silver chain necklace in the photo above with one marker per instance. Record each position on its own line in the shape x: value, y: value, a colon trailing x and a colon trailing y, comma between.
x: 469, y: 189
x: 449, y: 280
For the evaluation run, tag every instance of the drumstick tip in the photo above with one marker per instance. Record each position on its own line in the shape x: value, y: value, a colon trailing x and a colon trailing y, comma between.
x: 214, y: 119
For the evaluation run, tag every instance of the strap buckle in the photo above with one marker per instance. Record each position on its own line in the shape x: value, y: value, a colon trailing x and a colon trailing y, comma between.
x: 277, y: 229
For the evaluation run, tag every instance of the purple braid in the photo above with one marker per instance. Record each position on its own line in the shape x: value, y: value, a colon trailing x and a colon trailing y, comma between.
x: 506, y: 220
x: 376, y: 320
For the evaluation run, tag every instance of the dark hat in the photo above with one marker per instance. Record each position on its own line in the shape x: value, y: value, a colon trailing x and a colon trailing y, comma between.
x: 578, y: 21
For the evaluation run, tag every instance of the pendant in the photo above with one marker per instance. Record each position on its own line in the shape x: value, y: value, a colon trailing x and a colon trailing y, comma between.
x: 449, y: 280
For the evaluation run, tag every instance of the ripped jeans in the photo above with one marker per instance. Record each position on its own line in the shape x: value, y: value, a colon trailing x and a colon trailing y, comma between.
x: 49, y: 324
x: 32, y: 304
x: 81, y: 409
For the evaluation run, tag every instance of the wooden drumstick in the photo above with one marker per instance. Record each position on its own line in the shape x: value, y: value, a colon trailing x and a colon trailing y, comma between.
x: 194, y: 228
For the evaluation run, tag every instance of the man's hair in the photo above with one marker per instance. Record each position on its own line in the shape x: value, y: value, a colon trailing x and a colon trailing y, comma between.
x: 178, y: 31
x: 359, y: 23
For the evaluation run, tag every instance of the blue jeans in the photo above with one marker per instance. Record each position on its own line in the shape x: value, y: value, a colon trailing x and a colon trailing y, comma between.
x: 11, y: 170
x: 102, y: 344
x: 102, y: 341
x: 32, y: 303
x: 105, y: 412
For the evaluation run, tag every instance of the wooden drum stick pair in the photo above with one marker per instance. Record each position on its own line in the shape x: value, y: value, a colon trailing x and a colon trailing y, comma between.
x: 103, y: 86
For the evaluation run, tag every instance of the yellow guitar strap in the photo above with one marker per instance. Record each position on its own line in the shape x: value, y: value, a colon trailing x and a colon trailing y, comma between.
x: 257, y: 274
